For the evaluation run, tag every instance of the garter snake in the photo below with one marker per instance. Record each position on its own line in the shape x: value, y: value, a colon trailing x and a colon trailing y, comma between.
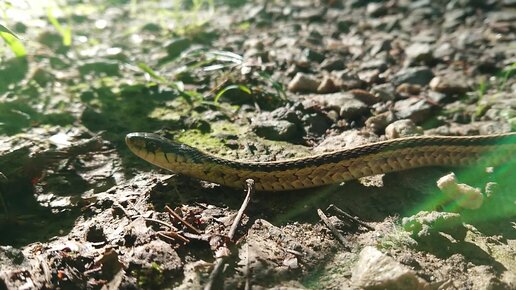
x: 343, y: 165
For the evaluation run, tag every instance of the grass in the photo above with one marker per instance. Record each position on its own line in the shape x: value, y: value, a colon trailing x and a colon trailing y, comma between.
x: 64, y: 31
x: 12, y: 41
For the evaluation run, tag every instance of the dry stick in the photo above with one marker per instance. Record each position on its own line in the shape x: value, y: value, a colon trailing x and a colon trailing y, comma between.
x: 219, y: 262
x: 347, y: 215
x: 236, y: 222
x: 333, y: 229
x: 187, y: 224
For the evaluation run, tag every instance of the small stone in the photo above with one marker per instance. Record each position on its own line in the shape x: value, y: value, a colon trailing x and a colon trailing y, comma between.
x: 450, y: 84
x: 365, y: 96
x: 402, y: 128
x: 348, y: 107
x: 414, y: 75
x: 491, y: 189
x: 464, y: 195
x: 384, y: 92
x: 303, y: 83
x: 419, y: 52
x: 347, y: 139
x: 327, y: 86
x: 406, y: 89
x: 379, y: 122
x: 375, y: 270
x: 347, y: 81
x: 417, y: 110
x: 316, y: 124
x: 425, y: 226
x: 331, y: 64
x: 376, y: 9
x: 278, y: 130
x: 313, y: 55
x: 443, y: 52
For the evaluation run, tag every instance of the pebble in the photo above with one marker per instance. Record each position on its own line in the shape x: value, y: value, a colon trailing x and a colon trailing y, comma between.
x: 327, y: 86
x: 384, y: 92
x: 419, y: 52
x: 420, y: 75
x: 402, y: 128
x: 376, y: 270
x: 464, y: 195
x: 303, y: 83
x: 278, y: 130
x: 379, y: 122
x: 348, y: 107
x: 418, y: 110
x: 450, y: 84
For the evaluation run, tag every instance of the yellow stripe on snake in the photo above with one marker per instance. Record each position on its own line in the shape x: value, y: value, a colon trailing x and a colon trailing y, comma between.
x: 339, y: 166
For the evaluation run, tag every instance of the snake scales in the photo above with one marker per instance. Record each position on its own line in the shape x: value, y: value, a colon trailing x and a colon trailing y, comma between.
x: 347, y: 164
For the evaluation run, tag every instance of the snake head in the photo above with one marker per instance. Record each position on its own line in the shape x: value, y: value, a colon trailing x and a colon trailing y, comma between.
x: 160, y: 151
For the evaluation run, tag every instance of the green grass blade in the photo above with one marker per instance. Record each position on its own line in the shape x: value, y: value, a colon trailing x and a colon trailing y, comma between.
x: 66, y: 32
x: 231, y: 87
x: 13, y: 42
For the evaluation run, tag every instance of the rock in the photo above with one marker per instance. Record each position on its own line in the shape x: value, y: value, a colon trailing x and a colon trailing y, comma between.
x: 327, y: 86
x: 425, y: 226
x: 450, y: 84
x: 464, y: 195
x: 348, y: 107
x: 384, y: 92
x: 420, y: 75
x: 313, y: 55
x: 348, y: 139
x: 331, y: 64
x: 365, y: 96
x: 303, y: 83
x: 403, y: 128
x: 379, y: 64
x: 406, y: 89
x: 348, y: 81
x: 376, y: 9
x: 375, y: 270
x: 278, y: 130
x: 156, y: 252
x: 417, y: 52
x: 379, y: 122
x: 443, y: 52
x: 417, y: 110
x: 316, y: 124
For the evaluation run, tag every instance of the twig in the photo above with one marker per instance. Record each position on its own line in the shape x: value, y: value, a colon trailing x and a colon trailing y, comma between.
x: 333, y: 229
x: 236, y: 222
x: 220, y: 261
x: 160, y: 223
x: 174, y: 235
x: 179, y: 218
x: 217, y: 269
x: 347, y: 215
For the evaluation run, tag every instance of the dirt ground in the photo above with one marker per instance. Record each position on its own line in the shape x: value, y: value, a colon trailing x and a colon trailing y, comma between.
x: 256, y: 81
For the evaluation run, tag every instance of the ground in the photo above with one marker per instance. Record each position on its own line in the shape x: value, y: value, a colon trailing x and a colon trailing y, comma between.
x: 255, y: 81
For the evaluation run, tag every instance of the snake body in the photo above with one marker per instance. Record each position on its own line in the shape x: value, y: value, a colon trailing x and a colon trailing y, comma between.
x: 327, y: 168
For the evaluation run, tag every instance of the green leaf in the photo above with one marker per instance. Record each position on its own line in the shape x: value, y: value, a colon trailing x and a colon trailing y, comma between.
x: 231, y: 87
x: 7, y: 30
x: 151, y: 72
x: 12, y: 41
x: 66, y: 32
